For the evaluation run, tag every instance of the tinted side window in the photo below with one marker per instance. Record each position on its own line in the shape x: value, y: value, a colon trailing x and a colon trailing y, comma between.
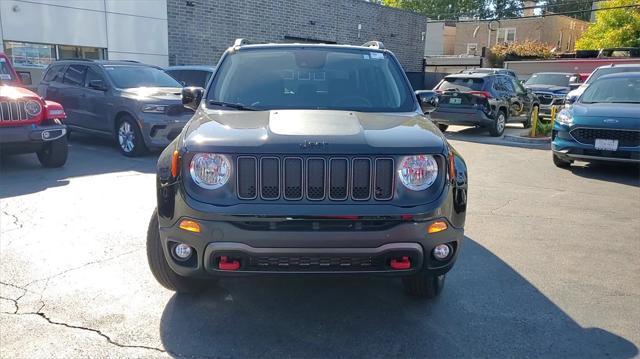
x: 498, y: 85
x: 508, y: 85
x: 74, y: 75
x: 93, y: 74
x: 54, y: 73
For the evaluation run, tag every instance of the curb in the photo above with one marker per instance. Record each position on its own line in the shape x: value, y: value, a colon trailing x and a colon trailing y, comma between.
x: 528, y: 140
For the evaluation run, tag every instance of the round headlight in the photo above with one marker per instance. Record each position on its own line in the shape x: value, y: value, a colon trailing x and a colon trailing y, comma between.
x: 210, y: 170
x: 32, y: 108
x: 418, y: 172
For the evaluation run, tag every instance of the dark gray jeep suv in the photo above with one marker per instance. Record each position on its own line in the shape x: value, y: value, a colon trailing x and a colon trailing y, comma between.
x: 136, y: 104
x: 308, y: 159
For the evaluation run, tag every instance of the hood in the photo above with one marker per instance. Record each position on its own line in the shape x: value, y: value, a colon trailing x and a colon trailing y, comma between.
x: 173, y: 94
x: 548, y: 88
x: 14, y: 92
x: 311, y: 132
x: 607, y: 110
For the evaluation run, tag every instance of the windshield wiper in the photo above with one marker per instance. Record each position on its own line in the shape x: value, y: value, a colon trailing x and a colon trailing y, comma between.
x: 237, y: 106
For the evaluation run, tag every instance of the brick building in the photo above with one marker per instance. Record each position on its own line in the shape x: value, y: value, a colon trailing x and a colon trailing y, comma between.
x: 201, y: 30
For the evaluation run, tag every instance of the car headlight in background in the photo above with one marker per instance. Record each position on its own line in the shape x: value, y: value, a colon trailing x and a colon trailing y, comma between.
x: 154, y: 108
x: 565, y: 117
x: 210, y: 170
x: 32, y: 108
x: 418, y: 172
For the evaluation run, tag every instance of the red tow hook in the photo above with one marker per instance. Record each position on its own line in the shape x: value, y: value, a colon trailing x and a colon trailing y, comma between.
x: 226, y: 264
x: 402, y: 263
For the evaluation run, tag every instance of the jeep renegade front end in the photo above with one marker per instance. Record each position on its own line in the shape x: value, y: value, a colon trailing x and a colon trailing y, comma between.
x: 308, y: 159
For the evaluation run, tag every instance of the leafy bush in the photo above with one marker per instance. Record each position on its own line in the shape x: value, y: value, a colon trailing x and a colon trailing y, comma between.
x: 517, y: 50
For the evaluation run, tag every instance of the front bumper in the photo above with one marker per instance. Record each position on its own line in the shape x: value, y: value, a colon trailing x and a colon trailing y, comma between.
x: 159, y: 130
x: 567, y: 148
x: 282, y: 251
x: 29, y: 138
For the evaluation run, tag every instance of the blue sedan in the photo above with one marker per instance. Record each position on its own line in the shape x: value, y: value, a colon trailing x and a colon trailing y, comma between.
x: 602, y: 125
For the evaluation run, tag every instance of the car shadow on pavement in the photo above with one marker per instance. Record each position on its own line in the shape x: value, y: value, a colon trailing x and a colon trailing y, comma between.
x: 487, y: 309
x: 22, y: 174
x: 623, y: 173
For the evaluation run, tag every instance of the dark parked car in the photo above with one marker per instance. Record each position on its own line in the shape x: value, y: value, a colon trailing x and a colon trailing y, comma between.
x: 191, y: 75
x: 483, y: 99
x: 308, y: 159
x: 136, y: 104
x: 551, y: 88
x: 603, y: 124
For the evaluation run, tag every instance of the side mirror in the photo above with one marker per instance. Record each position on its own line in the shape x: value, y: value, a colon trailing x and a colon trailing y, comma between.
x: 191, y: 97
x: 569, y: 100
x: 98, y: 85
x: 428, y: 100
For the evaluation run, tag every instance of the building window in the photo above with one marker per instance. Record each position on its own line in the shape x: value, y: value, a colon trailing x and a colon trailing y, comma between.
x: 41, y: 55
x: 472, y: 49
x: 506, y: 34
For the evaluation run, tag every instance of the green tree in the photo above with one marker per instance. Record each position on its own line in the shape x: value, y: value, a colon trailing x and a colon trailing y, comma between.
x: 613, y: 28
x: 444, y: 9
x: 559, y: 6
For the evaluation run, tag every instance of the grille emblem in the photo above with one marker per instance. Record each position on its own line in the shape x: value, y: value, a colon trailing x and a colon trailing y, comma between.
x: 313, y: 144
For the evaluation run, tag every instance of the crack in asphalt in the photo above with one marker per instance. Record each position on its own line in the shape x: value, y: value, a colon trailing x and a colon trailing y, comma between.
x: 79, y: 267
x: 15, y: 304
x: 508, y: 202
x: 15, y: 220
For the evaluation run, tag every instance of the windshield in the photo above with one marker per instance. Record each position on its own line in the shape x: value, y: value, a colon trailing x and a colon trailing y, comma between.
x: 613, y: 90
x: 125, y: 77
x: 461, y: 84
x: 5, y: 71
x: 312, y: 78
x: 610, y: 70
x: 561, y: 80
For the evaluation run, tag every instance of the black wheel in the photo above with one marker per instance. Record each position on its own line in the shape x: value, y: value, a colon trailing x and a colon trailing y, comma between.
x: 529, y: 121
x: 160, y: 268
x: 559, y: 162
x: 443, y: 127
x: 423, y: 285
x: 129, y: 137
x: 497, y: 128
x: 54, y: 153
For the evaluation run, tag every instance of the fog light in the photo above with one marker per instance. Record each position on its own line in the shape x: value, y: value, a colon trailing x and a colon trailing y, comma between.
x: 441, y: 252
x: 182, y: 251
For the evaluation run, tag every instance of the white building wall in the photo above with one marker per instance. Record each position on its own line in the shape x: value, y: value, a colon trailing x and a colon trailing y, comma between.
x: 131, y: 29
x: 434, y: 39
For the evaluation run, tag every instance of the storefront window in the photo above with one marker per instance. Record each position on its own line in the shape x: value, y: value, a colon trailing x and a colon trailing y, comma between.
x: 30, y: 54
x: 41, y: 55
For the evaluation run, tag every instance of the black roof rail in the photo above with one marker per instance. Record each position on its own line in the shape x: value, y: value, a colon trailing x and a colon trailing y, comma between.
x: 134, y: 61
x: 374, y: 44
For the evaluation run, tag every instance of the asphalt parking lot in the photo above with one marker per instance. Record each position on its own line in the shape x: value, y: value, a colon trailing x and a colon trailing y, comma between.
x: 550, y: 268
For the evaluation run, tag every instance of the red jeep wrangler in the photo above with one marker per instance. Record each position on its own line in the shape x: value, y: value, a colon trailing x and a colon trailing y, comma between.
x: 28, y: 123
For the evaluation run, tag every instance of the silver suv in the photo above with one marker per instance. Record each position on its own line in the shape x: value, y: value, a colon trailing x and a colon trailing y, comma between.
x: 138, y: 105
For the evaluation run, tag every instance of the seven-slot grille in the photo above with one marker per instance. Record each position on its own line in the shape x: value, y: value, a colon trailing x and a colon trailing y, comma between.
x: 315, y: 178
x: 588, y: 136
x: 13, y: 110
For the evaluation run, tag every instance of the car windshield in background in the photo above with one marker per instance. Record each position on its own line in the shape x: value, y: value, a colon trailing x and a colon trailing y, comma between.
x: 140, y: 76
x: 549, y: 79
x: 611, y: 70
x: 310, y: 78
x: 5, y: 71
x: 615, y: 90
x: 461, y: 84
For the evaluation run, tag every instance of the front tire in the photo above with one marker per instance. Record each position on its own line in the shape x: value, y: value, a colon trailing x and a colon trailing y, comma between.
x: 54, y: 153
x: 423, y: 285
x: 129, y: 137
x: 497, y: 128
x: 160, y: 268
x: 559, y: 162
